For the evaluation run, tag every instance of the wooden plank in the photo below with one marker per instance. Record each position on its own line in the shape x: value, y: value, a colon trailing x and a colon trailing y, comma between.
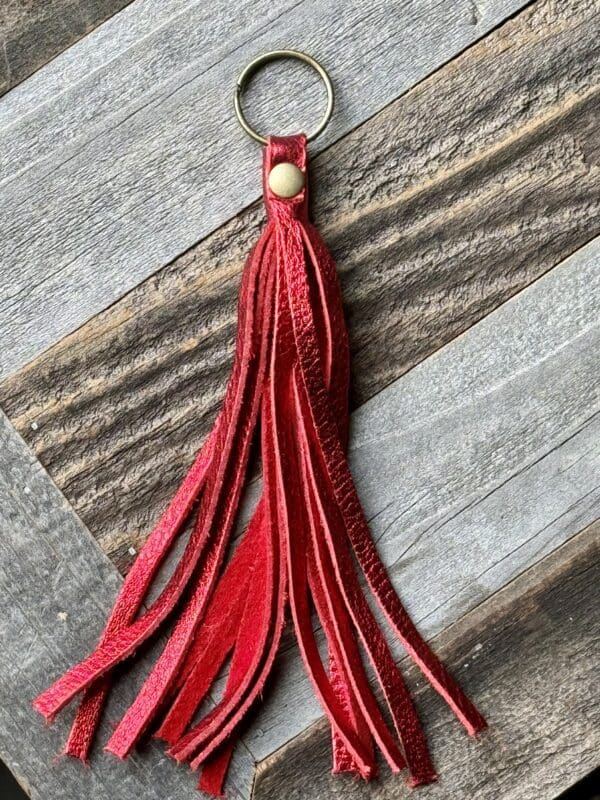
x: 476, y: 464
x: 31, y: 34
x: 437, y: 210
x: 107, y: 42
x: 133, y: 162
x: 529, y: 657
x: 56, y: 589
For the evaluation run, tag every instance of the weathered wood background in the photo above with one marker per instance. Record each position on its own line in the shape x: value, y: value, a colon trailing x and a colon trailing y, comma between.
x: 459, y: 192
x: 33, y: 33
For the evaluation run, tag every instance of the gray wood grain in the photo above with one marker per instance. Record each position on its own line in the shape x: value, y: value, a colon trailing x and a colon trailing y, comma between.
x: 529, y: 657
x: 56, y: 588
x: 437, y: 211
x: 133, y: 162
x: 31, y: 34
x: 474, y: 465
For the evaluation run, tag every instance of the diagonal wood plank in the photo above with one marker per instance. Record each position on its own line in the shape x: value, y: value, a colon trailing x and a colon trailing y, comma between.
x: 529, y: 656
x: 479, y: 462
x: 31, y: 34
x: 457, y: 199
x: 135, y: 161
x: 56, y: 588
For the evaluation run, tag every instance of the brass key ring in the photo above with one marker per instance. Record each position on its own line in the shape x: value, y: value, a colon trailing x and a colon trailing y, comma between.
x: 275, y: 55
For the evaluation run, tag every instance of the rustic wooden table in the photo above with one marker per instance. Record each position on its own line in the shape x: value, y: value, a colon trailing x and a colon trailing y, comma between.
x: 458, y: 188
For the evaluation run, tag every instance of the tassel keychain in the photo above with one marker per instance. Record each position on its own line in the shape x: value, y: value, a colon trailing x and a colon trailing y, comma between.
x: 306, y: 547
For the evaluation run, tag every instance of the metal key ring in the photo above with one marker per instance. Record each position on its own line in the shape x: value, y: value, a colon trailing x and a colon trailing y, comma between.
x: 275, y: 55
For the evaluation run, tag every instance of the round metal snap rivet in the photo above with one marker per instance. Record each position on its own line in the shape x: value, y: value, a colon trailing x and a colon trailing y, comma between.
x: 286, y: 180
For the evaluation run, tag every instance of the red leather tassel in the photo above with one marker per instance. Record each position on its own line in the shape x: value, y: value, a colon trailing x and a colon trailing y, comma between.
x: 300, y: 549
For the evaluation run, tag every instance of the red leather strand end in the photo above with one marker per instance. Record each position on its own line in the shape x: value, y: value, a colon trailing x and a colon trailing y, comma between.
x: 301, y: 549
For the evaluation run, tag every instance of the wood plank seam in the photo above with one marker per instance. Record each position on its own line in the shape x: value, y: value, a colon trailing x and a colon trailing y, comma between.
x: 61, y: 587
x: 522, y: 136
x: 492, y: 490
x: 462, y: 642
x: 589, y: 536
x: 38, y: 34
x: 116, y: 235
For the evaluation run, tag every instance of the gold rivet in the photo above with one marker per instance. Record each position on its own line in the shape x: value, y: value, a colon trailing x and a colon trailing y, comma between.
x: 286, y: 180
